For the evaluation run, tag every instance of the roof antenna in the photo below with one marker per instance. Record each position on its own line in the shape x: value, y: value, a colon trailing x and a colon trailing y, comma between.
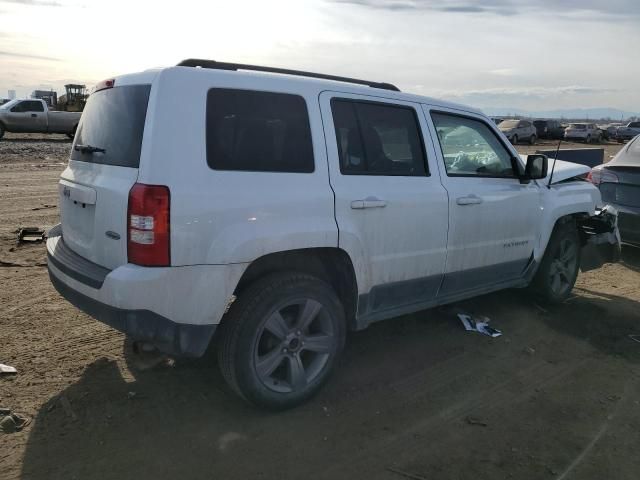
x: 554, y: 164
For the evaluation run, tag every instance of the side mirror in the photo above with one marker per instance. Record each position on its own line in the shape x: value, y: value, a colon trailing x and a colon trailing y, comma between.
x: 536, y: 168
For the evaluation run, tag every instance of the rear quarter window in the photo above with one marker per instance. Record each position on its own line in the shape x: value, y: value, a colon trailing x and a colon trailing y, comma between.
x: 258, y: 131
x: 113, y: 120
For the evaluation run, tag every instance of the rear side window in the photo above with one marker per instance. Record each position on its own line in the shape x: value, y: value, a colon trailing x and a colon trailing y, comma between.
x: 258, y: 131
x: 113, y: 120
x: 378, y: 139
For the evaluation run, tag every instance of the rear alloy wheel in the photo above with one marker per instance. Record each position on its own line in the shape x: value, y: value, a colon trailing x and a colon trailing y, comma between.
x: 281, y: 339
x: 514, y: 139
x: 558, y: 271
x: 532, y: 140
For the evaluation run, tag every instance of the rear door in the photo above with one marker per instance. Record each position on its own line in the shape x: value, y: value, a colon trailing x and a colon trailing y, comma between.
x: 94, y: 188
x: 390, y: 206
x: 493, y: 224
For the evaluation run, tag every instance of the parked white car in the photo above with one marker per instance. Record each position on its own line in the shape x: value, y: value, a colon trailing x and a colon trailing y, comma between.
x: 519, y: 130
x: 586, y: 132
x: 271, y: 213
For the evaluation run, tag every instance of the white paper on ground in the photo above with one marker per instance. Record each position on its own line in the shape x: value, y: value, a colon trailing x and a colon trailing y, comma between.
x: 7, y: 369
x: 478, y: 324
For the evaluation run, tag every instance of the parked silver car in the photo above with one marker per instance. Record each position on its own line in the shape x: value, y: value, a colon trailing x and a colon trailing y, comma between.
x: 619, y: 184
x: 519, y: 130
x: 34, y: 116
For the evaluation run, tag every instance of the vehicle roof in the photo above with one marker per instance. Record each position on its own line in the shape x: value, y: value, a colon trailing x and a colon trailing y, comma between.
x: 318, y: 84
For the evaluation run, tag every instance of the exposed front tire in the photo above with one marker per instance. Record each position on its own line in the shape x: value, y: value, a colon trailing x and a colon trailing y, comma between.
x: 281, y: 339
x: 514, y: 140
x: 558, y: 270
x: 1, y: 130
x: 532, y: 140
x: 588, y: 139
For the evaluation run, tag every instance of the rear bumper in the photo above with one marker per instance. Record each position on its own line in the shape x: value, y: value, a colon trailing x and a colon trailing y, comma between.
x: 142, y: 325
x: 177, y: 309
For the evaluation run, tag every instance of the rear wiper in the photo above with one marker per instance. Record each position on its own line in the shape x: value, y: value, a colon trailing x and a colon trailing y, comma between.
x: 89, y: 149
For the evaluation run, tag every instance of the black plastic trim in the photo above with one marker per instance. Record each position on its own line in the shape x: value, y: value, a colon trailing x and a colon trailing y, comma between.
x: 73, y: 265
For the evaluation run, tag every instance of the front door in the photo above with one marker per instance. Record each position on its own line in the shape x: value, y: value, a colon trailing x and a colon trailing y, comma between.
x: 494, y: 218
x: 390, y: 207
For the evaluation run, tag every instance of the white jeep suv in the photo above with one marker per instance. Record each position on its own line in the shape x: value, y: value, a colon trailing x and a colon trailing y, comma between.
x: 268, y: 212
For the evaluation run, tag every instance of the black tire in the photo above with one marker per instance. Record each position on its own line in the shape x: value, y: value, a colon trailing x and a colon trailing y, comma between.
x: 558, y: 270
x: 1, y: 130
x: 281, y: 299
x: 514, y: 140
x: 72, y: 134
x: 532, y: 140
x: 599, y: 140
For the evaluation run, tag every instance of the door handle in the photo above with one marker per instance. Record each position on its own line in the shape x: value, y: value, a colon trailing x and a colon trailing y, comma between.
x: 34, y: 115
x: 369, y: 202
x: 469, y: 200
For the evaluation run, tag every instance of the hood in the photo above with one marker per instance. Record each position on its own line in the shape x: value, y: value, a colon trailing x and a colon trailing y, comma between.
x: 563, y: 170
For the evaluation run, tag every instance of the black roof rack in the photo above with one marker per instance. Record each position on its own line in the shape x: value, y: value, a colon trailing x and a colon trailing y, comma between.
x: 196, y: 62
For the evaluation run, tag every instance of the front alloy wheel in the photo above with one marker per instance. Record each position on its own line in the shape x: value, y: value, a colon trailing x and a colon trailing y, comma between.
x: 563, y: 268
x: 558, y: 270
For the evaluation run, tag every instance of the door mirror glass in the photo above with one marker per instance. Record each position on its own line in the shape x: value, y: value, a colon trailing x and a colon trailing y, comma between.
x: 536, y: 167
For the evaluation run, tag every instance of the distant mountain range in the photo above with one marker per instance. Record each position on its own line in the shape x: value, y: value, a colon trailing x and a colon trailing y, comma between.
x: 569, y: 113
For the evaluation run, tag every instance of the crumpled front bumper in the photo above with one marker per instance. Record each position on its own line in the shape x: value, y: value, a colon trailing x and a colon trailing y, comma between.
x: 601, y: 239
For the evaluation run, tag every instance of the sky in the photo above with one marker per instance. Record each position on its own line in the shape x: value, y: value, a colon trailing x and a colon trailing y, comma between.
x: 521, y: 54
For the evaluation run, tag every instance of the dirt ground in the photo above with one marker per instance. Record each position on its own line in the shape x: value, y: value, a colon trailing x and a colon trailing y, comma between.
x: 557, y: 396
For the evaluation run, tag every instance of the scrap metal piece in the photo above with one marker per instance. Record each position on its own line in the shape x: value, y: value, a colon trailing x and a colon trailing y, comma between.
x: 31, y: 234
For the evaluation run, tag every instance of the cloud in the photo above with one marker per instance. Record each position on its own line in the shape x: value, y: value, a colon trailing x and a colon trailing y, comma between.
x: 503, y: 72
x: 494, y: 96
x: 35, y: 3
x: 27, y: 56
x: 506, y: 7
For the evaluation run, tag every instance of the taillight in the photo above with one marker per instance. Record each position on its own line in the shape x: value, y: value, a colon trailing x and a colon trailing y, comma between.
x: 148, y: 225
x: 601, y: 175
x: 105, y: 84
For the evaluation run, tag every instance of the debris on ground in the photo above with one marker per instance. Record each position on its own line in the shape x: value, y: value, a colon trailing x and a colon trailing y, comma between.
x: 11, y: 422
x: 7, y: 369
x: 530, y: 350
x: 44, y: 206
x: 478, y: 324
x: 635, y: 338
x: 405, y: 474
x: 31, y: 234
x: 476, y: 421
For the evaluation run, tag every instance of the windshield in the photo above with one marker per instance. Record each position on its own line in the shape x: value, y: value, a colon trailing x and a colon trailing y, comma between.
x: 509, y: 124
x: 578, y: 126
x: 113, y: 121
x: 9, y: 104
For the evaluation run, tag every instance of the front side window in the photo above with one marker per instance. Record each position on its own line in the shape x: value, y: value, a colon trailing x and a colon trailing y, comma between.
x: 471, y: 148
x: 378, y: 139
x: 258, y: 131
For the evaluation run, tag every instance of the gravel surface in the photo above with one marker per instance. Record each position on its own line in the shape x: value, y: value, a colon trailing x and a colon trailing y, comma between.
x: 557, y: 396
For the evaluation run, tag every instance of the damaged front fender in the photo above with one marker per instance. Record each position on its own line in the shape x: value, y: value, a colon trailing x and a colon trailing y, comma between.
x: 600, y: 239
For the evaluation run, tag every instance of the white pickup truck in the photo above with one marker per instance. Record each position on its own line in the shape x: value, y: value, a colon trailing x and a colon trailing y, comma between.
x: 34, y: 116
